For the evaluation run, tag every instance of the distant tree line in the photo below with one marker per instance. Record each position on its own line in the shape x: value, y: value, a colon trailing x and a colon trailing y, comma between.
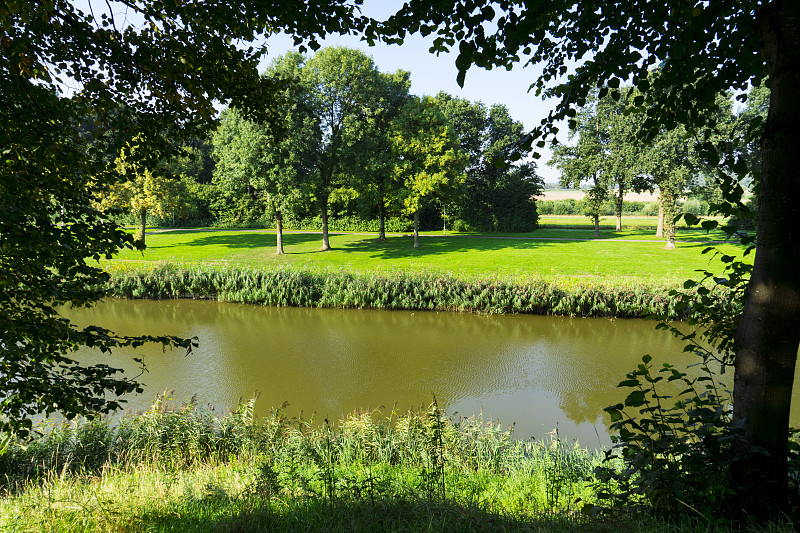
x: 608, y: 159
x: 349, y: 148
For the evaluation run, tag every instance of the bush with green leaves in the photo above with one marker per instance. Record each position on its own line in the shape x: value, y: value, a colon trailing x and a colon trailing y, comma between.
x: 672, y: 456
x: 695, y: 206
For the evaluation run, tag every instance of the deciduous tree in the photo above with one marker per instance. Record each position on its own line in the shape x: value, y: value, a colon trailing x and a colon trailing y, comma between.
x: 498, y: 190
x: 142, y: 190
x: 374, y: 160
x: 342, y: 86
x: 428, y: 159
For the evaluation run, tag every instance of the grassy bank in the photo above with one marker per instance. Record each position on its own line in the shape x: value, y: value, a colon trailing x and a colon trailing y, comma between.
x: 281, y: 286
x: 187, y: 469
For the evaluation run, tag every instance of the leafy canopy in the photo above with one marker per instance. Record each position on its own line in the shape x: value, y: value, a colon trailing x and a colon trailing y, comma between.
x: 78, y: 86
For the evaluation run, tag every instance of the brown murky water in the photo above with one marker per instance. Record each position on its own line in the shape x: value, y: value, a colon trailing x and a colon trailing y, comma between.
x: 537, y: 372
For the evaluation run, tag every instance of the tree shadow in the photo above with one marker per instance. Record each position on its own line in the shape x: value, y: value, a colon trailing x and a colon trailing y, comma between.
x: 251, y: 240
x: 402, y: 247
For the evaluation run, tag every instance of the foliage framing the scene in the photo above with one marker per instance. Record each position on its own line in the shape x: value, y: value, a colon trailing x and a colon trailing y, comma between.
x: 78, y: 86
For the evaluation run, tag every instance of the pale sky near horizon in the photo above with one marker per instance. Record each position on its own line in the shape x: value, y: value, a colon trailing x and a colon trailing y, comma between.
x: 431, y: 74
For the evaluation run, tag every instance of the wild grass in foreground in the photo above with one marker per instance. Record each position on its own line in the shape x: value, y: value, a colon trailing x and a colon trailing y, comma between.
x: 185, y: 469
x: 398, y: 290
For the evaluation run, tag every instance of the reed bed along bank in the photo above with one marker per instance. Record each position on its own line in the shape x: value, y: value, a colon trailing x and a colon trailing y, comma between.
x: 182, y: 467
x: 187, y: 461
x: 397, y: 290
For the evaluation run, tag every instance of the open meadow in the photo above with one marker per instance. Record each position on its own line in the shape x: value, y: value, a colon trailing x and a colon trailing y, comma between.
x: 551, y: 253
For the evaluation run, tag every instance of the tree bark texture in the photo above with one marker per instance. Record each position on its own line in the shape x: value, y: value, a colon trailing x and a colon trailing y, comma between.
x: 416, y: 229
x: 279, y: 231
x: 142, y: 225
x: 768, y: 335
x: 326, y: 244
x: 596, y: 226
x: 660, y: 226
x: 668, y: 208
x: 619, y: 210
x: 382, y: 218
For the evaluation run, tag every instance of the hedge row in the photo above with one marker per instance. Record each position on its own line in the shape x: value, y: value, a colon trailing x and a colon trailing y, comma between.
x: 394, y: 290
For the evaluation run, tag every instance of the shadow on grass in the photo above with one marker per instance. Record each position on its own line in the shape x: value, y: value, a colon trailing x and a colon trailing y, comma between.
x: 395, y: 247
x: 218, y: 514
x: 248, y: 240
x: 402, y: 247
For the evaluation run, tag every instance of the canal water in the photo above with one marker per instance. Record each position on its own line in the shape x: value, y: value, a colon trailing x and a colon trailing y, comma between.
x: 536, y: 372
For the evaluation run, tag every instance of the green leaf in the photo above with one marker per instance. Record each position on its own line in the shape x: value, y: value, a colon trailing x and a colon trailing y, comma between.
x: 709, y: 225
x: 635, y: 399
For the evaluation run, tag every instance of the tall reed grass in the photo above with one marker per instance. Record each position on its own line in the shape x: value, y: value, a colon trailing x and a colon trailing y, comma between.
x: 417, y: 454
x: 396, y: 290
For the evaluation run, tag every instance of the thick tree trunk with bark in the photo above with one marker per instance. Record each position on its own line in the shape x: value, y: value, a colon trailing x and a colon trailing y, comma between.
x: 142, y: 225
x: 668, y: 205
x: 279, y: 231
x: 619, y: 210
x: 326, y: 244
x: 596, y: 226
x: 416, y: 229
x: 660, y: 226
x: 768, y: 335
x: 382, y: 218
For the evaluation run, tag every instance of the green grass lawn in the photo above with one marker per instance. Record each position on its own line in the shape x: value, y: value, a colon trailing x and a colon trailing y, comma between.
x: 632, y: 253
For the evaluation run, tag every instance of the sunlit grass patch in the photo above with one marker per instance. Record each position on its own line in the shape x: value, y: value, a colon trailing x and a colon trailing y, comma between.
x: 546, y: 256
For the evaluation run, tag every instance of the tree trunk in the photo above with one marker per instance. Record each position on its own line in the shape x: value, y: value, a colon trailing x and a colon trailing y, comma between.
x: 596, y: 226
x: 619, y: 210
x: 279, y: 231
x: 660, y: 226
x: 326, y: 244
x: 667, y: 210
x: 142, y: 225
x: 382, y: 218
x: 768, y: 335
x: 416, y: 229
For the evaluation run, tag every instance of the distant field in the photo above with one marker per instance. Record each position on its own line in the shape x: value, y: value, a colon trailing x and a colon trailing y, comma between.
x: 545, y: 253
x: 559, y: 194
x: 609, y: 222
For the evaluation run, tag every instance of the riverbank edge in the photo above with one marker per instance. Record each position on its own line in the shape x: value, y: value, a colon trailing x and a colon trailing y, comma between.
x: 185, y: 468
x: 398, y: 290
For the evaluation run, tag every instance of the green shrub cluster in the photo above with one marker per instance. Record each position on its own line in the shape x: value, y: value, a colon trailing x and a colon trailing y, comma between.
x: 396, y: 290
x: 350, y: 223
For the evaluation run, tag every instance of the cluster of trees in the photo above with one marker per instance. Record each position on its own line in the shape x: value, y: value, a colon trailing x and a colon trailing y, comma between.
x: 60, y: 65
x: 346, y: 140
x: 610, y: 156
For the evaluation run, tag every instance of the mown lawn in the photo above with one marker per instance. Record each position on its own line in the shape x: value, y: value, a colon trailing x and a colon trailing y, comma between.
x: 545, y: 253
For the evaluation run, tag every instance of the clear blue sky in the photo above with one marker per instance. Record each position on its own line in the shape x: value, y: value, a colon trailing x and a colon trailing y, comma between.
x: 431, y: 74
